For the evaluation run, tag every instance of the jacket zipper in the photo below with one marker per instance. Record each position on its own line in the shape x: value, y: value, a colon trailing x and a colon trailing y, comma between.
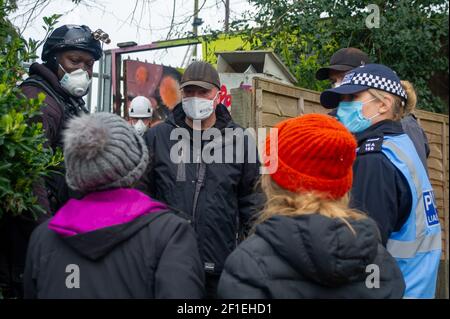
x: 198, y: 186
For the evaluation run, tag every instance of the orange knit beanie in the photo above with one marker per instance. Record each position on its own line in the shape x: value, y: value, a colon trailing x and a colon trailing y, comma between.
x: 315, y: 153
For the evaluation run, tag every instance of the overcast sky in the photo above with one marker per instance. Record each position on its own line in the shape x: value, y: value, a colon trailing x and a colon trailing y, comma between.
x: 151, y: 22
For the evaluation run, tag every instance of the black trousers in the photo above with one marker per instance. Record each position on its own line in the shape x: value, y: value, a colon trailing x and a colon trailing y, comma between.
x: 211, y: 284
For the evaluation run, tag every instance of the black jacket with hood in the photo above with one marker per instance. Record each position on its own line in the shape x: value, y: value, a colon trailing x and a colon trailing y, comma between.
x: 311, y: 256
x: 220, y: 198
x: 153, y: 254
x: 417, y: 136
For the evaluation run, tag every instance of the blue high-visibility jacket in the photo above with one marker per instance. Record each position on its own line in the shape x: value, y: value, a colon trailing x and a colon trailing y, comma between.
x: 417, y: 245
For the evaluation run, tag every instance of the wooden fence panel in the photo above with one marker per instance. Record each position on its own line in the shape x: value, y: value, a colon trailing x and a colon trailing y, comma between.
x: 436, y: 127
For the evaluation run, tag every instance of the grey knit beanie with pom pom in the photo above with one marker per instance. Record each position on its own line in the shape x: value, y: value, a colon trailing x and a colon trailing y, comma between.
x: 102, y: 151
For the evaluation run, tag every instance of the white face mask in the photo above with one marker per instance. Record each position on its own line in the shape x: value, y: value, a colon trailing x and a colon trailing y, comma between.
x: 197, y: 108
x: 76, y: 82
x: 140, y: 127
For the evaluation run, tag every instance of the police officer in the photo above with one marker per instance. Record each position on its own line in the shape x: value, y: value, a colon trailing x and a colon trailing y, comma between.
x: 390, y: 181
x: 346, y: 59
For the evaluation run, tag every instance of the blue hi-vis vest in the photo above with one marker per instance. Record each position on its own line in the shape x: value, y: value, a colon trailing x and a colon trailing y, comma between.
x: 417, y: 246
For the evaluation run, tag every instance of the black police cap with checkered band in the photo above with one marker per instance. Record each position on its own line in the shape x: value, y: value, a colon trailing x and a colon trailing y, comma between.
x: 375, y: 76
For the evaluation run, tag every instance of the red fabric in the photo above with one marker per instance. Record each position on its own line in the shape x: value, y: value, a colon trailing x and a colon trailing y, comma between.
x: 315, y: 153
x: 224, y: 97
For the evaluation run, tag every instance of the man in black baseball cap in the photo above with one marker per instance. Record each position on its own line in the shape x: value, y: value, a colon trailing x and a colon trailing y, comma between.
x: 342, y: 61
x: 200, y: 85
x: 201, y: 74
x: 219, y: 195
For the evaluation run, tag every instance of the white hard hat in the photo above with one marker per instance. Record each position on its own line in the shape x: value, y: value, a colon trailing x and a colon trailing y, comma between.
x: 140, y: 107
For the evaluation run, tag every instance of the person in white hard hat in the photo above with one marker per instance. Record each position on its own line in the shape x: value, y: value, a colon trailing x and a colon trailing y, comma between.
x: 140, y: 114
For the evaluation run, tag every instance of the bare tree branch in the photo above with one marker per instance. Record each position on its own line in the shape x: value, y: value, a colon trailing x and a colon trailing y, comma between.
x: 142, y: 11
x: 30, y: 10
x: 173, y: 18
x: 131, y: 14
x: 29, y: 17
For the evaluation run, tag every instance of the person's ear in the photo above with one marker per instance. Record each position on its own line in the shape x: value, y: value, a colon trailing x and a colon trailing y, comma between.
x: 216, y: 99
x: 387, y: 104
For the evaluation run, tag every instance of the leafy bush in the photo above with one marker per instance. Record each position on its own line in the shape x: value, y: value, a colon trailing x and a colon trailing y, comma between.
x: 412, y: 38
x: 23, y: 158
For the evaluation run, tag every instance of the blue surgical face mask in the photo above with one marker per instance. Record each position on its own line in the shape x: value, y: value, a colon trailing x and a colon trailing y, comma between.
x: 350, y: 114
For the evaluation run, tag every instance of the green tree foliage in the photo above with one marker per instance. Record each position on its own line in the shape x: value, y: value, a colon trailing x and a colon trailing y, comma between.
x: 412, y: 37
x: 23, y: 159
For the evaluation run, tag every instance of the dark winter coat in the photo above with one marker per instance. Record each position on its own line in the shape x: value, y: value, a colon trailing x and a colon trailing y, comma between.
x: 114, y: 244
x: 311, y: 256
x: 418, y: 136
x: 219, y: 197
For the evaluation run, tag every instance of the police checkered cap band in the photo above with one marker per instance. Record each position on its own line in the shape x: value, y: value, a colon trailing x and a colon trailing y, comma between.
x: 376, y: 82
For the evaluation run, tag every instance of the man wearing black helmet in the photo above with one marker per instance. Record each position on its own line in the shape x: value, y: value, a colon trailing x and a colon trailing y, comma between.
x: 69, y: 55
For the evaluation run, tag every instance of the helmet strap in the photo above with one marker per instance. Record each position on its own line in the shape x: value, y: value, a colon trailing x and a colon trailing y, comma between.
x: 62, y: 68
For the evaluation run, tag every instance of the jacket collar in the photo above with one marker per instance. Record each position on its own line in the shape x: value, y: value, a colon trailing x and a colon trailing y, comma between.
x: 380, y: 129
x: 45, y: 73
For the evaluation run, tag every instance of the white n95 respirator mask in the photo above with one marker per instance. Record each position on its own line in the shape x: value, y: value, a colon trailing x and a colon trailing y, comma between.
x: 197, y: 108
x: 140, y: 127
x: 75, y: 83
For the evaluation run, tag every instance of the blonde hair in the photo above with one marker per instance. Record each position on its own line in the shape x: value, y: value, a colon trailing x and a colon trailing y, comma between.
x: 281, y: 202
x: 399, y: 108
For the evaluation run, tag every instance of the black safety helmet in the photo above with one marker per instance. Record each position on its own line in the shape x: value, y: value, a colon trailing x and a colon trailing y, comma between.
x: 71, y: 37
